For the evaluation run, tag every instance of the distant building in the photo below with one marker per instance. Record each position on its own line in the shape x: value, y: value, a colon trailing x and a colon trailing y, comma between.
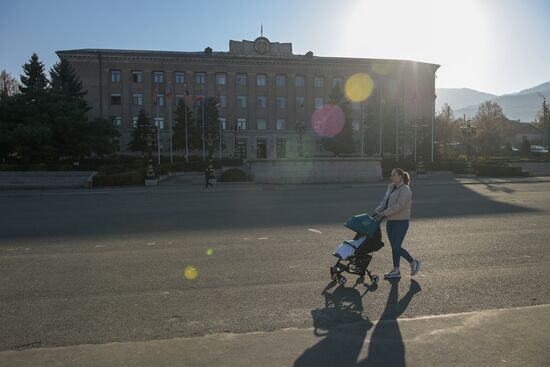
x: 266, y: 90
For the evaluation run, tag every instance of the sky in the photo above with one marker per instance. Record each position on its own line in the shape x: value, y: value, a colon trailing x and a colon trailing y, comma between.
x: 494, y: 46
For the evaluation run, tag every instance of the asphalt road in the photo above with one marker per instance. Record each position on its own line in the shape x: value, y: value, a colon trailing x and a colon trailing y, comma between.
x: 98, y: 266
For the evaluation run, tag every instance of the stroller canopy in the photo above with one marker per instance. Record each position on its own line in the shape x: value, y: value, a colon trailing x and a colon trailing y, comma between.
x: 363, y: 224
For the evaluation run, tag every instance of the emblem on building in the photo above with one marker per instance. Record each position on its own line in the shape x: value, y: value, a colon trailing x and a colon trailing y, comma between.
x: 261, y: 45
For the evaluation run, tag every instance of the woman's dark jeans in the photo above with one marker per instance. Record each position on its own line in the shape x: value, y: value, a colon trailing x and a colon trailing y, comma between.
x: 396, y: 230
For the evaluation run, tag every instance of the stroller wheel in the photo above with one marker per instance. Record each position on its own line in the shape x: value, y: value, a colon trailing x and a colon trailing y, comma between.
x: 374, y: 279
x: 333, y: 273
x: 342, y: 280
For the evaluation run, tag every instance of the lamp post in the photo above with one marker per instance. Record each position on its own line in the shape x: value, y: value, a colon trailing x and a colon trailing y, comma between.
x: 469, y: 131
x: 235, y: 130
x: 300, y: 129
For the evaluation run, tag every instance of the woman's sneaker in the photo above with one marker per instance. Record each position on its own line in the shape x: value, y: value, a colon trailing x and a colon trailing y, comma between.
x: 415, y: 267
x: 393, y: 274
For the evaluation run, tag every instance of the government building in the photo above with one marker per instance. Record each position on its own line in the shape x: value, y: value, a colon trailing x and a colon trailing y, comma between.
x: 267, y: 96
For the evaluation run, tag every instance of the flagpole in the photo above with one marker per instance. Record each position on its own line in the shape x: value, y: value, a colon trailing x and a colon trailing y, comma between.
x: 220, y: 121
x: 380, y: 122
x: 363, y: 129
x: 203, y: 137
x: 158, y: 125
x: 397, y: 129
x: 170, y: 116
x: 186, y: 140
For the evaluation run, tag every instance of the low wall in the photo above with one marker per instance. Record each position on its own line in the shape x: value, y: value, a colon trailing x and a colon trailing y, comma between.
x: 315, y: 170
x: 45, y: 179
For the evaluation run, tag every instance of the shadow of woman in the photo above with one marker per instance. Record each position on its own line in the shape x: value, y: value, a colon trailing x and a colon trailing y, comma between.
x: 343, y: 327
x: 386, y: 347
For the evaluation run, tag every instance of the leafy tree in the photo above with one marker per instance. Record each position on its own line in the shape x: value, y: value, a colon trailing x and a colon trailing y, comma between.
x: 447, y: 129
x: 490, y: 127
x: 342, y: 143
x: 138, y: 141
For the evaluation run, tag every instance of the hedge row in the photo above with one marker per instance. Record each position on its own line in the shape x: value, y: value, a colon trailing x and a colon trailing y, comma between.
x: 135, y: 177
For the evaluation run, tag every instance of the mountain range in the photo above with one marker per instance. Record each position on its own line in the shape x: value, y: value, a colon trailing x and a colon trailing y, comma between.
x: 522, y: 106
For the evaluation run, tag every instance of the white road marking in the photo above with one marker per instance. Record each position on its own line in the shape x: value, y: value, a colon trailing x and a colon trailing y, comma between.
x: 263, y: 238
x: 151, y: 244
x: 315, y: 230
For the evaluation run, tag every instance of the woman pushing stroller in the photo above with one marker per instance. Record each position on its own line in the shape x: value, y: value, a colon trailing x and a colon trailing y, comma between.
x: 396, y: 209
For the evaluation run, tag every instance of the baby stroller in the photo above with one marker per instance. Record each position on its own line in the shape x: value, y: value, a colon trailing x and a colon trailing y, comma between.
x: 354, y: 256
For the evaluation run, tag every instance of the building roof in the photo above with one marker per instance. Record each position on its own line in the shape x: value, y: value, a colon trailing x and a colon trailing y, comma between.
x: 238, y: 50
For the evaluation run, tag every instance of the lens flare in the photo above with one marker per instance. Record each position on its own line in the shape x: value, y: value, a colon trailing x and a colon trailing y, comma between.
x: 190, y: 272
x: 209, y: 252
x: 382, y: 68
x: 358, y: 87
x: 328, y: 120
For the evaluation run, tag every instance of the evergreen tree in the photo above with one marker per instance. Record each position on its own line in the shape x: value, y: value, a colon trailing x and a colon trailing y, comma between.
x: 179, y: 128
x: 34, y: 82
x: 211, y: 127
x: 342, y: 143
x: 101, y: 136
x: 68, y: 109
x: 138, y: 141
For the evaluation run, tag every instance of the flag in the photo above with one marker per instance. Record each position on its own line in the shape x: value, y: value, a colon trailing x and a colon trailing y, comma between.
x: 169, y: 90
x: 218, y: 103
x: 187, y: 94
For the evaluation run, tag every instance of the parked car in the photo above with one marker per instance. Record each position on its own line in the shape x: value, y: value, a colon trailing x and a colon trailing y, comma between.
x: 538, y: 149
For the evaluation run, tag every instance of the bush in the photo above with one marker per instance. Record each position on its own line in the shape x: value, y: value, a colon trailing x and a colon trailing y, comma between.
x: 135, y: 177
x: 234, y: 175
x: 497, y: 170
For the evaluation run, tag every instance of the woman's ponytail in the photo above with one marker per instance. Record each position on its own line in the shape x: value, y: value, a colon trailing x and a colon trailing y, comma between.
x: 406, y: 178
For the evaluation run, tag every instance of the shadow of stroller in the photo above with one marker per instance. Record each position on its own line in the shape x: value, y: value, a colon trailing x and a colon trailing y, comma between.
x: 386, y: 347
x: 341, y: 324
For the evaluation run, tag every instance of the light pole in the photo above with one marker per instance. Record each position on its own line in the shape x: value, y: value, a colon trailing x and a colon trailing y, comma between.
x: 235, y: 129
x: 468, y: 130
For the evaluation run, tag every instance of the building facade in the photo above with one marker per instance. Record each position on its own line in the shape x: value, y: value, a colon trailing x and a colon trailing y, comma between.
x: 268, y: 95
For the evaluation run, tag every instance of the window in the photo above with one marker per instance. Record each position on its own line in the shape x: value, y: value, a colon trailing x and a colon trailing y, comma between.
x: 134, y: 121
x: 137, y: 76
x: 261, y: 148
x: 300, y: 81
x: 241, y: 101
x: 319, y: 147
x: 299, y: 102
x: 281, y: 148
x: 116, y: 143
x: 241, y: 148
x: 280, y: 80
x: 116, y: 99
x: 160, y: 99
x: 355, y: 125
x: 158, y: 77
x: 261, y: 102
x: 318, y: 102
x: 261, y: 124
x: 180, y: 77
x: 281, y: 102
x: 261, y: 80
x: 223, y: 123
x: 241, y: 123
x: 115, y: 76
x: 281, y: 124
x: 117, y: 121
x: 220, y: 78
x: 223, y: 101
x: 159, y: 122
x: 337, y: 82
x: 355, y: 105
x: 241, y: 79
x: 179, y: 99
x: 137, y: 99
x: 200, y: 78
x: 319, y: 82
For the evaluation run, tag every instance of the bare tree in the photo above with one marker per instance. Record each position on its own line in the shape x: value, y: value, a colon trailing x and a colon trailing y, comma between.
x: 8, y: 84
x: 490, y: 126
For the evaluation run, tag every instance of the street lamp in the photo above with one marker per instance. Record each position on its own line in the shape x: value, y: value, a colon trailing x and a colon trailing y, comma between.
x: 469, y: 131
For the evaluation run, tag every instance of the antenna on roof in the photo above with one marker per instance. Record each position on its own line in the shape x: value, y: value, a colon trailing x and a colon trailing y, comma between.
x: 262, y: 30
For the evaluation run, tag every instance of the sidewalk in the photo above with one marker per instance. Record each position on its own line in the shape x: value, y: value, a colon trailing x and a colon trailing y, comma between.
x: 513, y: 337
